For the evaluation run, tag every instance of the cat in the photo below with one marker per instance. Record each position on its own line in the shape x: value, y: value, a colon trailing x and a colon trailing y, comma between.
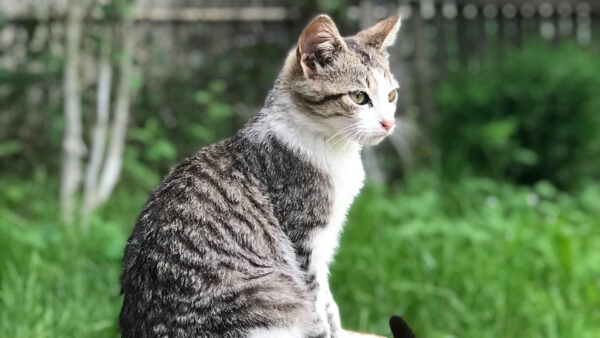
x: 237, y: 240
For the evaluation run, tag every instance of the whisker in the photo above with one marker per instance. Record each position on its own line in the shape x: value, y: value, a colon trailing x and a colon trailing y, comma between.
x: 340, y: 132
x: 347, y: 133
x: 355, y: 132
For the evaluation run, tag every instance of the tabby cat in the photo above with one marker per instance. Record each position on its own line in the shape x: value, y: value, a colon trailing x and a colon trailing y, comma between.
x: 237, y: 240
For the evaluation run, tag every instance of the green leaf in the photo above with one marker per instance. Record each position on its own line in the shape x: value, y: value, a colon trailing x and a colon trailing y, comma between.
x: 219, y: 111
x: 10, y: 147
x: 497, y: 133
x: 161, y: 150
x: 201, y: 132
x: 203, y: 97
x: 545, y: 189
x: 525, y: 156
x: 217, y: 86
x: 135, y: 82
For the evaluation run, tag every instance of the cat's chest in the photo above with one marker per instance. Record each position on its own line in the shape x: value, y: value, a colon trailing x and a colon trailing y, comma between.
x: 346, y: 178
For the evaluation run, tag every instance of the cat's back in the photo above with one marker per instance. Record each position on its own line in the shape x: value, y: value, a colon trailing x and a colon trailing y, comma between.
x: 206, y: 254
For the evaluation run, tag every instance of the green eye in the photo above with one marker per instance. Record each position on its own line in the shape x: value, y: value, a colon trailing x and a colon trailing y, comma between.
x: 392, y: 95
x: 359, y: 97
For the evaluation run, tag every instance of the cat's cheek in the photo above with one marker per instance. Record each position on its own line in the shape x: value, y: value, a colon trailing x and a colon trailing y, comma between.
x: 337, y: 125
x: 369, y: 121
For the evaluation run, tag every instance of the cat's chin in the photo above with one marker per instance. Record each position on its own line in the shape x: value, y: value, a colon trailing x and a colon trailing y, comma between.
x: 373, y: 140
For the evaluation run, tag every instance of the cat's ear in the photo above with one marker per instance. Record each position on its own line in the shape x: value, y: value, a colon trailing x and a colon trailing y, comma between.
x: 318, y: 44
x: 381, y: 35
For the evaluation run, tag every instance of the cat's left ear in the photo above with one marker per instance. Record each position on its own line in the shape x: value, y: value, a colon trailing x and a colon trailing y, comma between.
x: 382, y: 34
x: 318, y: 44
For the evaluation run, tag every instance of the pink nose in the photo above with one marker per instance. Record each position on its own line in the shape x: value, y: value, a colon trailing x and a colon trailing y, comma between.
x: 387, y: 124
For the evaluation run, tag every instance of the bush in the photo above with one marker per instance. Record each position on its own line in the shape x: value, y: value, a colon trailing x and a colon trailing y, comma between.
x: 531, y: 116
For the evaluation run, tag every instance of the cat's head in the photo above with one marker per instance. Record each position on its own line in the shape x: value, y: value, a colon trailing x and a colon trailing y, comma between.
x: 344, y: 84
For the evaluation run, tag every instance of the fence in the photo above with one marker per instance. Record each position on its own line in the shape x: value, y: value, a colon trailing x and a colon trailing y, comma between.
x: 438, y: 33
x: 435, y: 34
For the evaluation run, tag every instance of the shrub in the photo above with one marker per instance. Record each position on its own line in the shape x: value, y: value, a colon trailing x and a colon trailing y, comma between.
x: 531, y: 116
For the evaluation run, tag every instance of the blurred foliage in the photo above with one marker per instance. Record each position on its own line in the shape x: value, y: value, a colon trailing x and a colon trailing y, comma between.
x: 57, y: 280
x: 474, y: 258
x: 532, y: 115
x: 183, y: 112
x: 171, y: 116
x: 29, y: 113
x: 334, y: 8
x: 30, y: 97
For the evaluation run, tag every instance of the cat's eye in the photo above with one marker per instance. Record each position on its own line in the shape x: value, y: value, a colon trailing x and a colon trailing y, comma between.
x: 392, y: 95
x: 359, y: 97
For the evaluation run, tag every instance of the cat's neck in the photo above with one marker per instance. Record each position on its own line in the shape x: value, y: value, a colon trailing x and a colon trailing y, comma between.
x: 281, y: 119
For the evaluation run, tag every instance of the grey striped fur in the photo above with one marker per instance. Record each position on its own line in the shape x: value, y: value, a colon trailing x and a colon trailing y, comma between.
x: 230, y: 244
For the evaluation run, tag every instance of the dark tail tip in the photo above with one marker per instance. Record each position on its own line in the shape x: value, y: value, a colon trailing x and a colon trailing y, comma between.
x: 399, y: 328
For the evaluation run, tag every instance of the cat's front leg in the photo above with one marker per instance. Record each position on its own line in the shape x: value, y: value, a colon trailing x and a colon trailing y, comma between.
x: 325, y: 304
x: 333, y: 313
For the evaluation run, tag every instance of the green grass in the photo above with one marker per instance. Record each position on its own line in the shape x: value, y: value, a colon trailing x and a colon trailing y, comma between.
x: 57, y: 280
x: 474, y: 258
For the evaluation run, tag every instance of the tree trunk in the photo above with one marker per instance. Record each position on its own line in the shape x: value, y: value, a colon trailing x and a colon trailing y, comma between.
x: 90, y: 198
x: 73, y: 147
x: 114, y: 157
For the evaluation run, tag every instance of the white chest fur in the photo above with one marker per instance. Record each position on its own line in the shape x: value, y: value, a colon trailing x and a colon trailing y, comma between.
x: 346, y: 172
x: 340, y: 161
x: 344, y: 167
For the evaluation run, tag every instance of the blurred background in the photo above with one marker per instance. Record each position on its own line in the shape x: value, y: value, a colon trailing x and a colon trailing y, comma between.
x: 481, y: 217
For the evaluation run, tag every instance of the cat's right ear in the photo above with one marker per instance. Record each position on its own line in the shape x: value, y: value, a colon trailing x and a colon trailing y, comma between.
x: 382, y: 35
x: 317, y: 45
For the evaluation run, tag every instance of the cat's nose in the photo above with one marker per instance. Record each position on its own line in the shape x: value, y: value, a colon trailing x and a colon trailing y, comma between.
x: 387, y: 124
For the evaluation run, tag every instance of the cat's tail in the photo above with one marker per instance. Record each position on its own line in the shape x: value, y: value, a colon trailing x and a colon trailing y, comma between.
x: 399, y: 328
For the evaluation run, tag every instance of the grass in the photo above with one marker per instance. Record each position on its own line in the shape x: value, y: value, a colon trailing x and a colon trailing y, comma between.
x: 472, y: 259
x: 475, y: 258
x: 57, y: 280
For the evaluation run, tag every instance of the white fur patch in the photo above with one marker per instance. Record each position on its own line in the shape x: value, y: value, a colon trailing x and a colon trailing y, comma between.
x: 347, y: 175
x: 342, y: 162
x: 385, y: 109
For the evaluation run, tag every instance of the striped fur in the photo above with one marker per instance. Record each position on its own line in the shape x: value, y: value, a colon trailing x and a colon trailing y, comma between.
x: 237, y: 240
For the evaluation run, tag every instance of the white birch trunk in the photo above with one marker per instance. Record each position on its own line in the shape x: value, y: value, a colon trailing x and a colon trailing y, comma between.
x: 114, y: 156
x: 90, y: 199
x: 73, y: 147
